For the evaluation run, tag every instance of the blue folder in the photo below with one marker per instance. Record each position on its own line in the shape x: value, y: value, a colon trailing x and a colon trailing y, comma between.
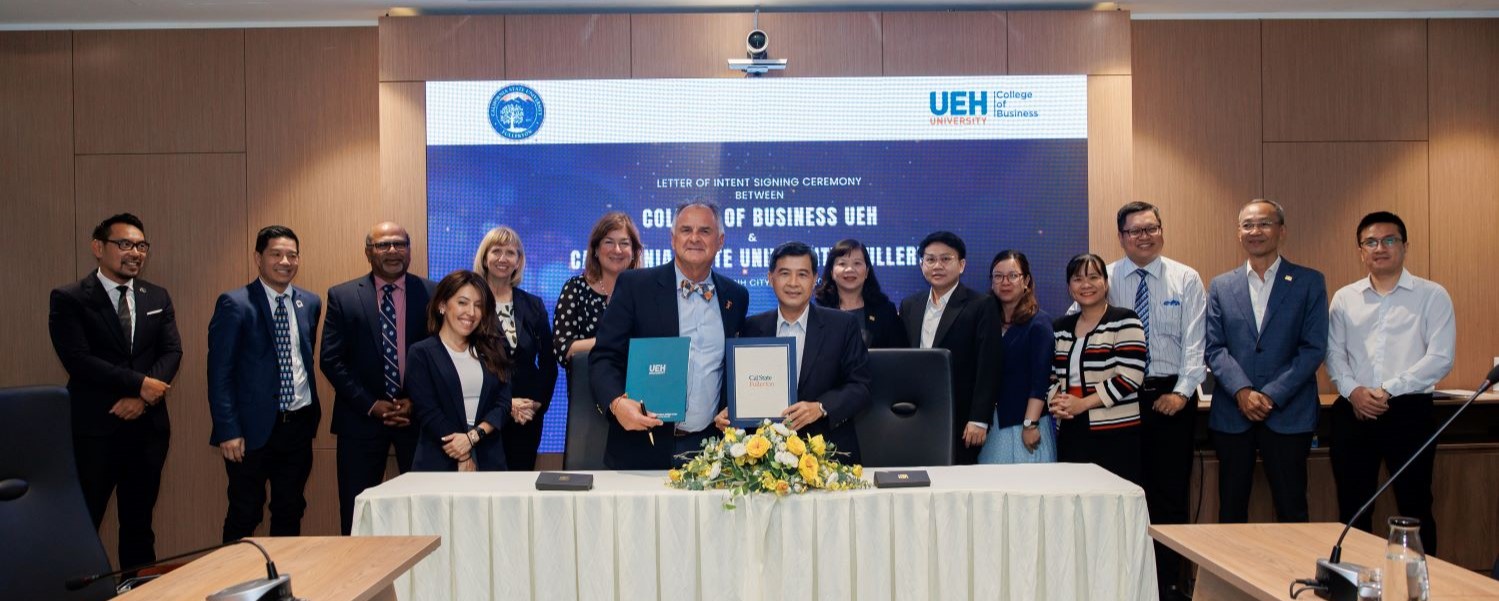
x: 657, y: 375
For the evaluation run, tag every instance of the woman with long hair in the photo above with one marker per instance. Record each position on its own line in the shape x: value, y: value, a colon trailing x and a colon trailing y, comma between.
x: 1021, y: 431
x: 457, y: 379
x: 613, y: 247
x: 1097, y: 369
x: 526, y: 333
x: 849, y: 284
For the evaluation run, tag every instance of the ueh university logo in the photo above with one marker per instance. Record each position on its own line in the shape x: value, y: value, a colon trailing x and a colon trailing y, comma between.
x: 516, y: 112
x: 970, y: 107
x: 656, y: 369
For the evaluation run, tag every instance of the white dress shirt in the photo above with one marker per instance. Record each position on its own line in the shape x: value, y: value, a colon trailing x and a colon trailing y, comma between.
x: 1259, y: 291
x: 1178, y: 318
x: 111, y: 288
x: 933, y: 316
x: 1402, y: 342
x: 797, y: 329
x: 302, y: 395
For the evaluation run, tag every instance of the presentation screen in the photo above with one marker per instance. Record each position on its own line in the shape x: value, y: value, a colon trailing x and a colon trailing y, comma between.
x: 1000, y: 161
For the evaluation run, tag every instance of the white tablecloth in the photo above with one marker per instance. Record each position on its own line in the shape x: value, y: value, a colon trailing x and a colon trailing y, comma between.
x: 1055, y: 532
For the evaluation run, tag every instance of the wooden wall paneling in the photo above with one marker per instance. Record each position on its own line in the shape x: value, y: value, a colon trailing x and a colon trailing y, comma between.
x: 567, y: 46
x: 1069, y: 41
x: 403, y: 163
x: 1327, y: 187
x: 313, y: 156
x: 1111, y: 178
x: 1196, y: 135
x: 1343, y: 80
x: 442, y: 47
x: 690, y: 45
x: 845, y: 44
x: 193, y: 206
x: 944, y: 43
x: 150, y: 91
x: 1465, y: 184
x: 36, y: 187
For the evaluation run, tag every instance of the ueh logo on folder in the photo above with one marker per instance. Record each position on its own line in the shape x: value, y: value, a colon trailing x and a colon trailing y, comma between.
x: 657, y: 369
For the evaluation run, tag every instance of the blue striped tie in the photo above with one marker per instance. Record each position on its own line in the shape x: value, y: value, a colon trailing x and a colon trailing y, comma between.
x: 1142, y: 307
x: 287, y: 391
x: 388, y: 342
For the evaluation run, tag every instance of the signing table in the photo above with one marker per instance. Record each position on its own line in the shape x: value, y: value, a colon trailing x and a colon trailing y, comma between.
x: 1055, y: 531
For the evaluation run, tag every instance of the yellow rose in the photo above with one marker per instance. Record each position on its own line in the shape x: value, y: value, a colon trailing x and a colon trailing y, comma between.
x: 819, y: 446
x: 795, y: 446
x: 731, y: 435
x: 757, y: 446
x: 808, y: 468
x: 675, y: 475
x: 767, y: 481
x: 858, y: 471
x: 782, y: 487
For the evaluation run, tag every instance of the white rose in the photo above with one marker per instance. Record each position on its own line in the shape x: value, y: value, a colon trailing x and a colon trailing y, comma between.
x: 781, y: 429
x: 737, y: 450
x: 715, y: 470
x: 786, y: 458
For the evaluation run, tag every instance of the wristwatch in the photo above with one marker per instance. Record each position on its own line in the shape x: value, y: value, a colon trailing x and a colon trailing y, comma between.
x: 1030, y: 424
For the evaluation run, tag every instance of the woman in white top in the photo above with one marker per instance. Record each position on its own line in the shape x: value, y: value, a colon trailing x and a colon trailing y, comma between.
x: 457, y: 380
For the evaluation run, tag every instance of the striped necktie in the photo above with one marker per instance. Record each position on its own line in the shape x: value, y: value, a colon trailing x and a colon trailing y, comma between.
x: 388, y: 349
x: 287, y: 391
x: 1142, y: 306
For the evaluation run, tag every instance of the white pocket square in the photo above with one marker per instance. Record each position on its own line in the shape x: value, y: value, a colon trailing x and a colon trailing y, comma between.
x: 150, y: 313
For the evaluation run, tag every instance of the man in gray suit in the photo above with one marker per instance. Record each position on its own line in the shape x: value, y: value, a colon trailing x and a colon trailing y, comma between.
x: 1266, y: 336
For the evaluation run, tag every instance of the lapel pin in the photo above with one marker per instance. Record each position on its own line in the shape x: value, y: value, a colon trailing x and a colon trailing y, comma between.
x: 1288, y: 277
x: 871, y: 318
x: 141, y: 290
x: 299, y: 303
x: 728, y: 304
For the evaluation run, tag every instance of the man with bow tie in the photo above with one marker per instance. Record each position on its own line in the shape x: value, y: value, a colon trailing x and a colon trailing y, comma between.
x: 681, y: 298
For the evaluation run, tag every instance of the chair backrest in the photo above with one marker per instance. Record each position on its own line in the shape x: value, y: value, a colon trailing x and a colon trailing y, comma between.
x: 587, y: 429
x: 909, y: 420
x: 48, y: 535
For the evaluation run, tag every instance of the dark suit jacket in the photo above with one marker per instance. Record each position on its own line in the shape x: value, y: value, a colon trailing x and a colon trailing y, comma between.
x: 976, y: 355
x: 351, y: 348
x: 644, y: 305
x: 1281, y: 361
x: 243, y: 375
x: 437, y: 402
x: 835, y: 371
x: 102, y: 369
x: 533, y: 360
x: 882, y: 326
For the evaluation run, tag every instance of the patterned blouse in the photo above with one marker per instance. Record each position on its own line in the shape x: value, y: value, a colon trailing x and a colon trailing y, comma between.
x: 577, y: 316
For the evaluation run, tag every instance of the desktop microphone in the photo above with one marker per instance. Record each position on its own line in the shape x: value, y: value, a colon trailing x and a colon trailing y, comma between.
x: 1338, y: 580
x: 273, y: 587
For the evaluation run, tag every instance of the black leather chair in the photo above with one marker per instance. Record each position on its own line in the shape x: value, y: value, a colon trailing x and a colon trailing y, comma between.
x: 48, y: 536
x: 587, y: 428
x: 909, y: 420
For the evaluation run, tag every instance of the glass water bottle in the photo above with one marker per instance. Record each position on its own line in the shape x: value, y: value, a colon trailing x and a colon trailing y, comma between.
x: 1405, y: 563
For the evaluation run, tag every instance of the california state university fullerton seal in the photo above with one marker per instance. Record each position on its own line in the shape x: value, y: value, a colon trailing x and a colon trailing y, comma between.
x: 516, y: 112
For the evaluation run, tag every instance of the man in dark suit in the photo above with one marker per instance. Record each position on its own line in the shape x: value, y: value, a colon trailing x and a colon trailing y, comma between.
x: 116, y: 335
x: 1266, y: 336
x: 261, y: 391
x: 681, y: 298
x: 832, y: 360
x: 953, y: 316
x: 372, y: 321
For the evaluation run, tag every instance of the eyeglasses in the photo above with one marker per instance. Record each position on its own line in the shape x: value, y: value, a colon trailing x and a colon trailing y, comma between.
x: 1369, y: 243
x: 129, y: 245
x: 1250, y: 226
x: 1149, y: 230
x: 619, y: 244
x: 1007, y: 277
x: 389, y: 246
x: 934, y: 260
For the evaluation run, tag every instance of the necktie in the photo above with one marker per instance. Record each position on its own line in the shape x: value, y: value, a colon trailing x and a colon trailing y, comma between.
x: 283, y: 354
x: 689, y: 288
x: 388, y: 342
x: 1142, y: 306
x: 123, y: 310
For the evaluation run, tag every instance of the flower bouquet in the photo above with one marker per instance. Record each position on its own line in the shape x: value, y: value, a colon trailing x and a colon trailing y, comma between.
x: 773, y: 459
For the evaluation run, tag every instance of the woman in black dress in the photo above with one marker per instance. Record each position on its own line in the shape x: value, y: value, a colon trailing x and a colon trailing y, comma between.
x: 613, y: 247
x: 527, y: 334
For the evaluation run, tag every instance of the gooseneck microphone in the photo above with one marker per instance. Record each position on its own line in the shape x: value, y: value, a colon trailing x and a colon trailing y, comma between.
x: 274, y: 586
x: 1338, y: 581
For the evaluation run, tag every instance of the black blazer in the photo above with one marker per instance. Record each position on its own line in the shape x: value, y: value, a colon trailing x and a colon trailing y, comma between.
x: 437, y: 402
x: 976, y: 355
x: 835, y: 371
x: 350, y: 356
x: 644, y: 305
x: 884, y: 326
x: 533, y: 366
x: 102, y: 369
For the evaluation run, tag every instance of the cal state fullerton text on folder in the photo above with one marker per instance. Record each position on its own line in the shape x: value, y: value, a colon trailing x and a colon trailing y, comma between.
x: 657, y: 376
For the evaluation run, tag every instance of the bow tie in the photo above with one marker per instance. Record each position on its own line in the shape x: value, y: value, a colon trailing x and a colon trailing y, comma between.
x: 688, y: 289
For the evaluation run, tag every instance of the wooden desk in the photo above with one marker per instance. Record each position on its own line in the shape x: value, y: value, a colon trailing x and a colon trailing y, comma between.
x: 1258, y: 561
x: 324, y: 568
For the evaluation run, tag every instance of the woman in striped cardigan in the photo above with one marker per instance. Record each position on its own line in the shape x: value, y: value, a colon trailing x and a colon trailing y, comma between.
x: 1096, y: 373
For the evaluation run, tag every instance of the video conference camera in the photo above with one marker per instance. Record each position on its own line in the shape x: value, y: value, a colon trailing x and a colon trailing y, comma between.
x: 757, y: 59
